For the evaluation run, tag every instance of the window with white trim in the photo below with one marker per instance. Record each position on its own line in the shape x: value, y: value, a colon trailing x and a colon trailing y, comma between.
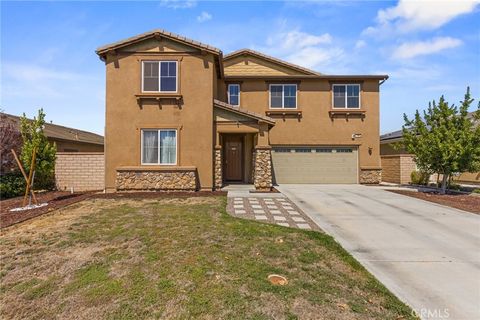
x: 159, y: 76
x: 346, y: 96
x: 283, y: 96
x: 233, y: 94
x: 159, y: 146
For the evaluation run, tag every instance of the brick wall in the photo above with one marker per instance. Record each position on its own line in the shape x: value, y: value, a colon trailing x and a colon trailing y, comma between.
x: 407, y: 165
x: 397, y: 168
x: 84, y: 171
x: 391, y: 168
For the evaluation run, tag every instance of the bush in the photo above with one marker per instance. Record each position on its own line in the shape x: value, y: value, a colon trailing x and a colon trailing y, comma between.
x: 476, y: 191
x: 12, y: 185
x: 419, y: 177
x: 454, y: 186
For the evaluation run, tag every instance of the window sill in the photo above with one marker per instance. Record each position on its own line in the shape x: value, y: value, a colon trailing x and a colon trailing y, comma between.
x: 347, y: 113
x: 156, y: 168
x: 284, y: 113
x: 159, y: 96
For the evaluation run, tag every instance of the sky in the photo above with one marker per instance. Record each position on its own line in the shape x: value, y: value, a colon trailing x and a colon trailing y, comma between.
x: 428, y: 48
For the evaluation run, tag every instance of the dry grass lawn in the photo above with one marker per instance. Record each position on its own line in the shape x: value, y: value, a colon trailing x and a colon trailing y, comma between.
x: 179, y: 258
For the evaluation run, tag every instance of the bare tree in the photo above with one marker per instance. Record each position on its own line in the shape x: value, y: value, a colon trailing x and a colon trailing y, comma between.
x: 10, y: 138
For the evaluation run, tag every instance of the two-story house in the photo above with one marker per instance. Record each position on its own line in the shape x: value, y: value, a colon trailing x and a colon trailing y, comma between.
x: 182, y: 116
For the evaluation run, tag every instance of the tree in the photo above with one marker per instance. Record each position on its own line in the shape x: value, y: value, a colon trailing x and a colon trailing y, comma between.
x: 446, y: 140
x: 34, y: 138
x: 10, y: 138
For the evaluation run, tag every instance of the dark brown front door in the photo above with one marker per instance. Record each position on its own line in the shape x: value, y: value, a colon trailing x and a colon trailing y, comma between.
x: 233, y: 158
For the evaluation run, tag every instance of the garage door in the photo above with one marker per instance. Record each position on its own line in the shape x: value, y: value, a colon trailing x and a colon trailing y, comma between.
x: 315, y: 165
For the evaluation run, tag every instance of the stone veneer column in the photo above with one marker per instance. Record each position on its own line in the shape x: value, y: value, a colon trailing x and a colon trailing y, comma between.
x: 218, y: 168
x: 262, y: 178
x: 370, y: 176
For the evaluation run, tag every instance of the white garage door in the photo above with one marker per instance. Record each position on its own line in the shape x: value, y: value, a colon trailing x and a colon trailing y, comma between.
x: 315, y: 164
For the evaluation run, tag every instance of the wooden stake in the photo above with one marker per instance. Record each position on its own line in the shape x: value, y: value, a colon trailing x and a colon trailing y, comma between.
x: 30, y: 174
x: 23, y: 173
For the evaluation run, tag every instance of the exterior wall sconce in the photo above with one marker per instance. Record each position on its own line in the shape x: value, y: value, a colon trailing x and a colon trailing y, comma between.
x: 356, y: 136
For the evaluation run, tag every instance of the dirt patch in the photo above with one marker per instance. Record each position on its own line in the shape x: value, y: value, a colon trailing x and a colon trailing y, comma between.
x: 157, y: 195
x: 459, y: 201
x: 55, y: 200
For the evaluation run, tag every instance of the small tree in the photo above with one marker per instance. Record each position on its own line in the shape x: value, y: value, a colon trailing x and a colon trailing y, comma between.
x: 446, y: 140
x: 33, y: 137
x: 10, y: 138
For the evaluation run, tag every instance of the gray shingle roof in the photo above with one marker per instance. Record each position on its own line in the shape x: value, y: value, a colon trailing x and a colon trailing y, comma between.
x: 55, y: 131
x: 391, y: 135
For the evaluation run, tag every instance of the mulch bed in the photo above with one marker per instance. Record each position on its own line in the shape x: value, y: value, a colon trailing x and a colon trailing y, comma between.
x: 459, y: 201
x: 55, y: 200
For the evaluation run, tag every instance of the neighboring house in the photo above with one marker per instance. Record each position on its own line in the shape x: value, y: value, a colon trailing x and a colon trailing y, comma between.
x: 67, y: 139
x: 398, y: 164
x: 182, y: 116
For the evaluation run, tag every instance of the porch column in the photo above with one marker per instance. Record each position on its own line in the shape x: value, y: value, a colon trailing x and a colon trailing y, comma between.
x: 262, y: 178
x: 218, y: 168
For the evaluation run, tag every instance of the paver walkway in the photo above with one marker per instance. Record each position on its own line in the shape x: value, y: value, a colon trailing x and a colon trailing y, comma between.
x: 276, y: 210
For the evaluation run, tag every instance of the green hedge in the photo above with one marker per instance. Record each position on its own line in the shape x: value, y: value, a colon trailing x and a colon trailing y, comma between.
x: 12, y: 185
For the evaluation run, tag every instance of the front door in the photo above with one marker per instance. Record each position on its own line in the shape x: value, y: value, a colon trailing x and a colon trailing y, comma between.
x: 233, y: 158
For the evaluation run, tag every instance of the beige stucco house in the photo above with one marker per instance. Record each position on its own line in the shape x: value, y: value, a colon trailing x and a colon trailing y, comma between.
x: 180, y: 115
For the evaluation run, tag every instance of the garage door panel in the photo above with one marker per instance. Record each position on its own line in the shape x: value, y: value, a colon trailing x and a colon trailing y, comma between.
x: 315, y: 167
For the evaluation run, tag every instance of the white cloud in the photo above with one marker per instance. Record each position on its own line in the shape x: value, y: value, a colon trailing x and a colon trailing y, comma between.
x: 414, y: 15
x: 412, y: 49
x: 178, y: 4
x: 360, y: 44
x: 296, y: 39
x: 314, y: 57
x: 305, y: 49
x: 38, y: 80
x: 204, y: 16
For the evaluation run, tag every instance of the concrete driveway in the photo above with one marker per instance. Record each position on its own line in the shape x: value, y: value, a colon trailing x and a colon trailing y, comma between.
x: 427, y: 254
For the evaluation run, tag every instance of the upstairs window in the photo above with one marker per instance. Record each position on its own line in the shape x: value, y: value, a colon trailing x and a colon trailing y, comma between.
x: 159, y: 76
x: 234, y: 94
x: 283, y: 96
x: 346, y: 96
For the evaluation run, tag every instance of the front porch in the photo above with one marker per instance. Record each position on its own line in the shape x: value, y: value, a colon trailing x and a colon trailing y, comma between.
x: 242, y: 150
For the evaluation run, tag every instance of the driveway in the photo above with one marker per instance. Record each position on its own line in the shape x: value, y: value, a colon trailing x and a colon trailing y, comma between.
x: 427, y: 254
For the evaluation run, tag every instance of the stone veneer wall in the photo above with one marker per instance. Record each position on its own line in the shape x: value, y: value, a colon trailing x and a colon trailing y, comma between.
x: 370, y: 176
x: 263, y: 169
x: 218, y: 168
x: 80, y: 171
x: 159, y: 180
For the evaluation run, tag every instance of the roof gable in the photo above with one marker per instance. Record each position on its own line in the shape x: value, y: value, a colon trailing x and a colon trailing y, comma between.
x: 157, y: 35
x: 250, y: 62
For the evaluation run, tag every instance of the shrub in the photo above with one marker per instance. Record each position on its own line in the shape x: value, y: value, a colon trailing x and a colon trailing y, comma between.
x: 454, y: 186
x: 476, y: 191
x: 419, y: 177
x: 12, y: 185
